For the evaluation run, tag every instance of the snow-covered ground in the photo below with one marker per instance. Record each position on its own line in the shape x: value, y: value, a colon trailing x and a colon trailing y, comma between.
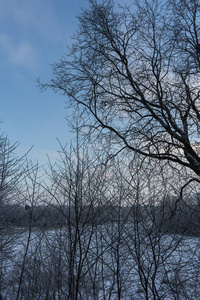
x: 102, y: 262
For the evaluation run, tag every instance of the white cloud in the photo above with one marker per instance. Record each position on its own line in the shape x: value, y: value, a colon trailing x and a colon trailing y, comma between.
x: 20, y: 54
x: 36, y: 16
x: 30, y: 30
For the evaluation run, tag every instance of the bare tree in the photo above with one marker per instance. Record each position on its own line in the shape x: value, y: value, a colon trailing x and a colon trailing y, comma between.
x: 11, y: 177
x: 147, y: 254
x: 114, y: 237
x: 30, y: 195
x: 135, y: 73
x: 76, y: 183
x: 11, y: 170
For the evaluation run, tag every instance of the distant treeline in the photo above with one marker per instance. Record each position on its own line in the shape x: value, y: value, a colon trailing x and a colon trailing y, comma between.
x: 171, y: 216
x: 56, y: 216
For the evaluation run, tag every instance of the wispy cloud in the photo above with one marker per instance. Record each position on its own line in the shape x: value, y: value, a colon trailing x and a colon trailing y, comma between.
x: 20, y: 54
x: 37, y: 16
x: 27, y: 31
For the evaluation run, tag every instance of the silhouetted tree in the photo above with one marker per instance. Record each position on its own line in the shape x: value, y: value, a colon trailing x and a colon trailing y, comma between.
x: 135, y: 71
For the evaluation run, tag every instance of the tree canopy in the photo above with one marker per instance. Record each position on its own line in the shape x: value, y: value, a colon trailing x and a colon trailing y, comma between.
x: 135, y: 71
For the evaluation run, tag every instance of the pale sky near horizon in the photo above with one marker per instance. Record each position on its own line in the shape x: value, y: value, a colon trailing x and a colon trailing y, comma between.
x: 33, y: 35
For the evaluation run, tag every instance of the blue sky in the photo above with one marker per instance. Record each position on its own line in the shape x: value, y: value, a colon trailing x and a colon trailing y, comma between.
x: 34, y: 34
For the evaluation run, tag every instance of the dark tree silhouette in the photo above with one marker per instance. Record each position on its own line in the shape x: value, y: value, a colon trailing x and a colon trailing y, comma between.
x: 135, y: 71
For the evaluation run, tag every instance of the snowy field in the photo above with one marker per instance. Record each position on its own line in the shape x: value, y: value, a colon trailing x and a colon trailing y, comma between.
x: 99, y: 262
